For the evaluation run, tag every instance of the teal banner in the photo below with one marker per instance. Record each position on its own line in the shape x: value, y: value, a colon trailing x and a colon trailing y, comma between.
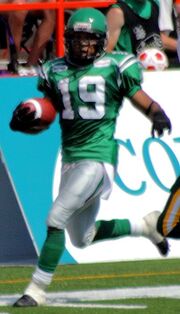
x: 29, y: 160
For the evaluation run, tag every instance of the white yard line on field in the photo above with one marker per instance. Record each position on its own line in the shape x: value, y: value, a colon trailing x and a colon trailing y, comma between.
x: 116, y: 293
x: 73, y: 298
x: 100, y: 306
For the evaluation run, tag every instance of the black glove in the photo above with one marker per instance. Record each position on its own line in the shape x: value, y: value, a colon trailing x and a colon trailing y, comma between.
x: 160, y: 123
x: 23, y: 119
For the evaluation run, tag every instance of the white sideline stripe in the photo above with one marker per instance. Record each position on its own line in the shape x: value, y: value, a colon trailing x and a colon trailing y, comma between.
x: 100, y: 306
x: 117, y: 293
x: 72, y: 297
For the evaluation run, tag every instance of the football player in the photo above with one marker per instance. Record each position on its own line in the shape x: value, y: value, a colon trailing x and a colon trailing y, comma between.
x: 133, y: 26
x: 88, y: 86
x: 169, y: 220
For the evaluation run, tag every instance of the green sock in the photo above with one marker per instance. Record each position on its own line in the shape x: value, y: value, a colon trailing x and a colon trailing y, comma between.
x: 112, y: 229
x: 52, y: 250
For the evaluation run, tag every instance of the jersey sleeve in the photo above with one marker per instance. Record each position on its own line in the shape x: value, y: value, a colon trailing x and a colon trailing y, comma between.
x: 131, y: 75
x: 43, y: 81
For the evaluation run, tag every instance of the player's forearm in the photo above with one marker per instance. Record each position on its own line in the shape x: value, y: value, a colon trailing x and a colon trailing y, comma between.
x: 145, y: 103
x: 159, y: 119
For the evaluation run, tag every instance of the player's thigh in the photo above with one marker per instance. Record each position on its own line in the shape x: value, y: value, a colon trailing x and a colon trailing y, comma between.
x: 81, y: 227
x: 79, y: 182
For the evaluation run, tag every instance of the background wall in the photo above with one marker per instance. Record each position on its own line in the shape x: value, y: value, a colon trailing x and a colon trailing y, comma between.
x: 147, y: 168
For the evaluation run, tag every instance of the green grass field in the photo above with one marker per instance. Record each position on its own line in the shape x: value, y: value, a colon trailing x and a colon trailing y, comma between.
x: 161, y: 276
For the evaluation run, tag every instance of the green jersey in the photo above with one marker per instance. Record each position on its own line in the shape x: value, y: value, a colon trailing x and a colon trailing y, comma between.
x: 88, y: 100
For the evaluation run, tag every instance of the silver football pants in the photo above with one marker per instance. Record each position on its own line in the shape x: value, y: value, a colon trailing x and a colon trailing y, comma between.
x: 77, y: 204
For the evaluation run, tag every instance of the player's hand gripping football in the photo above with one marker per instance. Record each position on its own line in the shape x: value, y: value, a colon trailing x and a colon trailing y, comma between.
x: 160, y: 122
x: 23, y: 119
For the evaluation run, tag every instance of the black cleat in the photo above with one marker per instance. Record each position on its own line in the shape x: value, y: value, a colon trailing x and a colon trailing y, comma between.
x: 163, y: 247
x: 25, y: 301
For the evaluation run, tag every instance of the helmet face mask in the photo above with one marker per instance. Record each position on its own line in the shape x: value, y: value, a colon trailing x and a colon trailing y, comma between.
x: 83, y: 48
x: 85, y: 36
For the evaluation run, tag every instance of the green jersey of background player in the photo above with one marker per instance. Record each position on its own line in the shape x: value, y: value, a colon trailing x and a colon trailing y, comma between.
x: 87, y: 86
x: 133, y: 26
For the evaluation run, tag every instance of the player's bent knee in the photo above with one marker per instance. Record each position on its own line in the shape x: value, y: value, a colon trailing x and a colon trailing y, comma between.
x: 79, y: 243
x: 83, y: 241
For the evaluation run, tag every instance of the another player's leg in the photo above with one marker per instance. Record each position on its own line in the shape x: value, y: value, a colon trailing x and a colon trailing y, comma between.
x: 169, y: 220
